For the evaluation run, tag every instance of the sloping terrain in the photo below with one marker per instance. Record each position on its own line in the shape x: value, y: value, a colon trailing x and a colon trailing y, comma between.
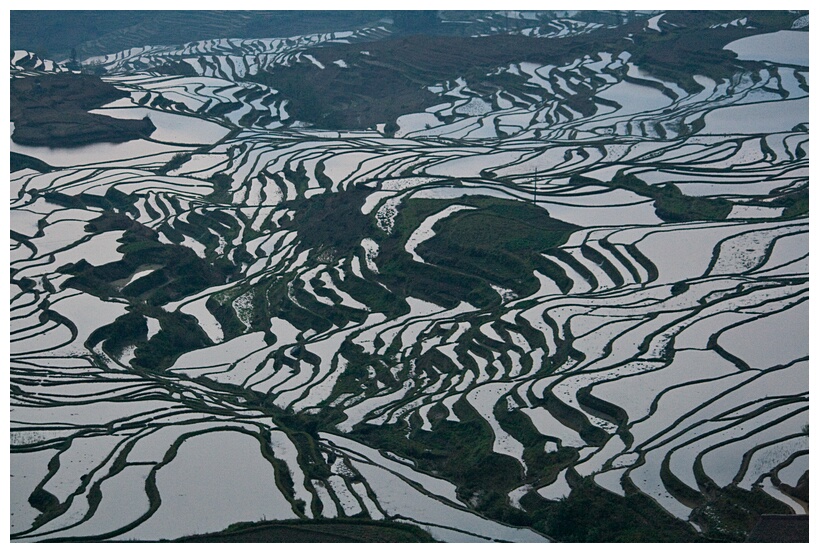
x: 54, y: 111
x: 560, y: 293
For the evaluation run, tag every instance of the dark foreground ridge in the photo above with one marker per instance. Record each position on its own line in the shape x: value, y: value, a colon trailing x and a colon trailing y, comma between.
x: 336, y: 531
x: 780, y: 529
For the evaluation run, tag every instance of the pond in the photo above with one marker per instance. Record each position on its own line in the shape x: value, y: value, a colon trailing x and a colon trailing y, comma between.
x: 123, y: 153
x: 786, y: 47
x: 171, y: 127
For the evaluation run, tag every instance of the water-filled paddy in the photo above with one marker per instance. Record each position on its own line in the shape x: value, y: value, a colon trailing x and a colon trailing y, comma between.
x: 326, y: 328
x: 109, y: 154
x: 757, y: 118
x: 245, y: 479
x: 786, y: 47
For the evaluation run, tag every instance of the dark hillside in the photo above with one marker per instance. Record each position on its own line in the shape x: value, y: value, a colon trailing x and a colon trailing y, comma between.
x: 53, y: 111
x: 388, y: 78
x: 91, y: 32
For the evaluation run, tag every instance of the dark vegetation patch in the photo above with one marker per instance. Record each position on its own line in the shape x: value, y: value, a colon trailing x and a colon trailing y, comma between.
x: 331, y: 223
x: 459, y: 452
x: 316, y: 531
x: 695, y: 49
x: 177, y: 273
x: 337, y: 98
x: 729, y: 514
x: 592, y: 514
x: 501, y: 242
x: 801, y: 490
x: 174, y: 163
x: 377, y: 298
x: 224, y: 313
x: 436, y: 284
x: 178, y: 334
x: 391, y: 79
x: 795, y: 202
x: 543, y: 466
x: 497, y: 243
x: 52, y: 110
x: 670, y: 204
x: 20, y: 161
x: 91, y: 32
x: 462, y: 453
x: 221, y: 189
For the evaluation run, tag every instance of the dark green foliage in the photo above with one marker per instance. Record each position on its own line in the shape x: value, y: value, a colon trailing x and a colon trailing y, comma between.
x: 672, y: 205
x: 679, y: 288
x: 298, y: 177
x: 497, y: 243
x: 114, y: 221
x: 42, y: 500
x: 390, y: 128
x: 174, y: 163
x: 226, y: 316
x: 542, y: 467
x: 460, y: 452
x: 352, y: 97
x: 126, y: 330
x: 322, y: 179
x: 52, y: 110
x: 221, y: 189
x: 20, y: 161
x: 592, y: 514
x: 175, y: 68
x: 392, y: 79
x: 331, y: 223
x: 281, y: 306
x: 340, y: 530
x: 436, y: 284
x: 378, y: 299
x: 677, y: 56
x: 179, y: 334
x: 147, y: 284
x: 178, y: 272
x: 801, y: 490
x: 730, y: 513
x: 796, y: 202
x: 63, y: 199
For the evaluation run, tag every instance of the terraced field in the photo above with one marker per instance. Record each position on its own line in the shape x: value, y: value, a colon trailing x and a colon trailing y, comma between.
x: 486, y: 318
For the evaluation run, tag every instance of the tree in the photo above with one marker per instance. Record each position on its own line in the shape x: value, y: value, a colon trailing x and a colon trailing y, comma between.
x: 73, y: 64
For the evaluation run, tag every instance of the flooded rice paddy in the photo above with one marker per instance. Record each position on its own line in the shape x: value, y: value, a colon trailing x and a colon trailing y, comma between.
x: 158, y: 395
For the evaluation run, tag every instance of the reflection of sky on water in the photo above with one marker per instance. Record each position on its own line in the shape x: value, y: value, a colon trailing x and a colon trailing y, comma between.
x: 788, y: 47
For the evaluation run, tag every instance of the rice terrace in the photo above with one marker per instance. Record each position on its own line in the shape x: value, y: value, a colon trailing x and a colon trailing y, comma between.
x: 455, y: 276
